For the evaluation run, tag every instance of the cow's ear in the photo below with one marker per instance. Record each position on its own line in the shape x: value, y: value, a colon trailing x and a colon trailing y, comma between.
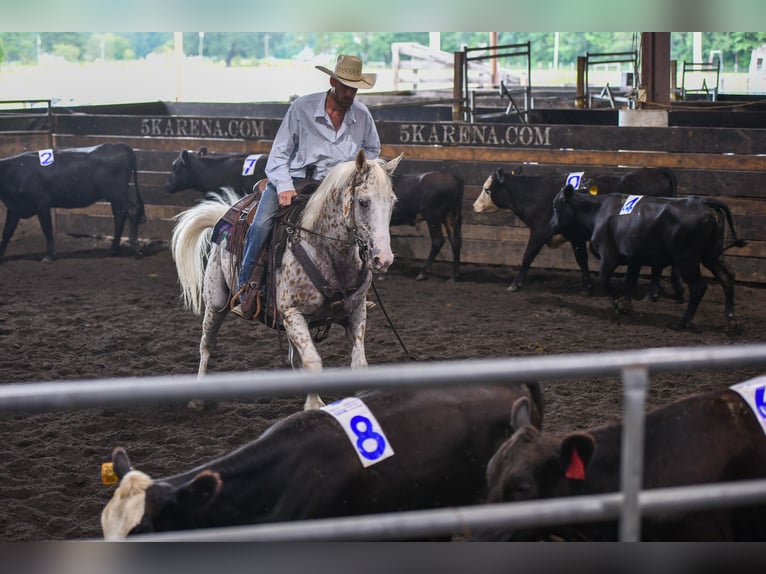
x: 499, y: 175
x: 202, y: 151
x: 576, y: 453
x: 201, y: 491
x: 516, y: 170
x: 185, y: 156
x: 120, y: 462
x: 568, y: 191
x: 520, y: 413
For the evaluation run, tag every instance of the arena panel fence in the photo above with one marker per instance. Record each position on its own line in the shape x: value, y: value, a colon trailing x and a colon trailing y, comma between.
x: 627, y: 506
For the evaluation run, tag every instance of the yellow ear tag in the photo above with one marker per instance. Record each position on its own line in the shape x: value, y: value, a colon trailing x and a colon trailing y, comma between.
x: 108, y: 475
x: 593, y: 190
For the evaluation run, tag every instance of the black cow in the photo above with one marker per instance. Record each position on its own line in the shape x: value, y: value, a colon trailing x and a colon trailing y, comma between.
x: 531, y: 199
x: 655, y: 231
x: 206, y: 173
x: 704, y: 438
x: 305, y: 466
x: 33, y: 183
x: 437, y: 198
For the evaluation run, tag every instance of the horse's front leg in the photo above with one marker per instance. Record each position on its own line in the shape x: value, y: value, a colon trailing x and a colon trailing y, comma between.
x: 297, y: 329
x: 355, y: 332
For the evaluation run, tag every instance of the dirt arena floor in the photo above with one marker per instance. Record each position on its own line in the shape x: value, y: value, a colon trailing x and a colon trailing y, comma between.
x: 89, y: 315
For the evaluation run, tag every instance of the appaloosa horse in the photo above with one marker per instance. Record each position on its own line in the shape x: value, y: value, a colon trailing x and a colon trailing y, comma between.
x: 344, y: 229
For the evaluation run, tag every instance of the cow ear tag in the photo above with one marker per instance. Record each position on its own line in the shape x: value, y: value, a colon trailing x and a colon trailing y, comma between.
x: 108, y: 475
x: 576, y: 469
x: 593, y: 190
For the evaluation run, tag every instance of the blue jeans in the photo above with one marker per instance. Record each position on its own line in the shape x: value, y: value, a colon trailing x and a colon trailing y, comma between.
x: 259, y: 231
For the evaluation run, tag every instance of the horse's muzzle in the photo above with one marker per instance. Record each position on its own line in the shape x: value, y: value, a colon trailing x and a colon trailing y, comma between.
x: 381, y: 259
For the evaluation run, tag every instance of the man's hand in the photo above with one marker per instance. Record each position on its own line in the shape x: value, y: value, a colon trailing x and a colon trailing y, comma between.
x: 286, y: 197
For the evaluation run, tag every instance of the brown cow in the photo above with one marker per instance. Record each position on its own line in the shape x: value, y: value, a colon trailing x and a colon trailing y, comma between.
x: 709, y: 437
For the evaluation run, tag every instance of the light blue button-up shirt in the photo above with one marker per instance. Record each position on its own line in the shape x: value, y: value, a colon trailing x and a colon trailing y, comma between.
x: 307, y: 137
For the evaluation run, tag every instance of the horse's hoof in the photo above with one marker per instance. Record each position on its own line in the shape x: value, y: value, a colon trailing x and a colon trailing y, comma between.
x: 421, y: 277
x: 513, y: 287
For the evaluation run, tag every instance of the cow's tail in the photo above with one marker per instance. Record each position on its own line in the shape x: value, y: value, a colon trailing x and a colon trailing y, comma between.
x: 139, y: 199
x: 190, y: 243
x: 721, y: 207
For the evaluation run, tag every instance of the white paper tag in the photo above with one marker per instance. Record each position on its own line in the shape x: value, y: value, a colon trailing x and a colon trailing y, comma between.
x: 362, y: 429
x: 574, y: 179
x: 46, y: 157
x: 248, y: 166
x: 753, y: 392
x: 629, y: 204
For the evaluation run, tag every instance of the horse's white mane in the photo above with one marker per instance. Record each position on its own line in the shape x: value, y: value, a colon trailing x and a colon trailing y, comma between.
x: 337, y: 178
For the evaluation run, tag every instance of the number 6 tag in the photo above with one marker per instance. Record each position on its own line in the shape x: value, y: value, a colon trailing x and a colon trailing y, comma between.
x: 362, y: 429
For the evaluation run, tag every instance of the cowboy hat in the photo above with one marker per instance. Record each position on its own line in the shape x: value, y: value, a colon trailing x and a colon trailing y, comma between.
x: 348, y: 71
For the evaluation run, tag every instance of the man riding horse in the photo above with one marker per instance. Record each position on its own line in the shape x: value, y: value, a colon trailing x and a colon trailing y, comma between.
x: 319, y: 131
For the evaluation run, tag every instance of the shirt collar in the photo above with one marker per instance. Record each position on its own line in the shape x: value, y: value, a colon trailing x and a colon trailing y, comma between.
x: 320, y: 113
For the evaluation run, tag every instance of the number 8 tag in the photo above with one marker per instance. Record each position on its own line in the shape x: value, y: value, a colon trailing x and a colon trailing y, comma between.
x: 362, y: 429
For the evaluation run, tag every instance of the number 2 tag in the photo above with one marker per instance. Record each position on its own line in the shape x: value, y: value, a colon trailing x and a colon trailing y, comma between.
x: 46, y: 157
x: 362, y: 429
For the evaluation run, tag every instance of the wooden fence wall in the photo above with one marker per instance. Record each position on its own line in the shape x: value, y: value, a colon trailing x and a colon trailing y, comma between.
x: 727, y: 163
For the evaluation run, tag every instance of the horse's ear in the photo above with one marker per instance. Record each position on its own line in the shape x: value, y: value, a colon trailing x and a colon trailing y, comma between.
x: 391, y: 166
x: 361, y: 160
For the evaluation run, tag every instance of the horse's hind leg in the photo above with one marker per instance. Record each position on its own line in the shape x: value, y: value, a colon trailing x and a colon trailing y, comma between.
x: 437, y: 240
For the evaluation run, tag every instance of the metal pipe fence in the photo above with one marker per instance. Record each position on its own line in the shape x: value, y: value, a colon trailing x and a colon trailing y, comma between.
x: 633, y: 367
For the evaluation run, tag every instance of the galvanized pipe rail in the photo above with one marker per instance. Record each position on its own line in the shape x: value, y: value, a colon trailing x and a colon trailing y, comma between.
x: 634, y: 367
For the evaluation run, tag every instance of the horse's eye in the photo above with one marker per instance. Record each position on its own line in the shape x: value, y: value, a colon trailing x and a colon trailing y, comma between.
x: 364, y: 203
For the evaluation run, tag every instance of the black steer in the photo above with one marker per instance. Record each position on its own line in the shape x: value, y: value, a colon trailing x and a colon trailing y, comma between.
x: 33, y: 183
x: 701, y: 439
x: 305, y: 466
x: 205, y: 172
x: 531, y: 199
x: 654, y: 231
x: 437, y: 198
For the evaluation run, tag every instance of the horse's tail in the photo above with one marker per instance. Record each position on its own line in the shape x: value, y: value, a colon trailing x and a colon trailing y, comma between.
x: 722, y: 208
x: 190, y: 244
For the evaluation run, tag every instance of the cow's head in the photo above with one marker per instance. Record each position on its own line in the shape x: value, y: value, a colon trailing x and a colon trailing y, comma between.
x: 181, y: 176
x: 532, y: 464
x: 563, y: 215
x: 141, y: 505
x: 484, y: 203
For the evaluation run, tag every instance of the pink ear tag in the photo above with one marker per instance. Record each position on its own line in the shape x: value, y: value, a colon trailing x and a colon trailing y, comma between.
x: 576, y: 469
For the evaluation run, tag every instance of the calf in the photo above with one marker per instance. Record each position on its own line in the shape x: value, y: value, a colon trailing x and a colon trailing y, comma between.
x: 655, y: 231
x: 703, y: 438
x: 33, y: 183
x: 531, y: 199
x: 437, y: 198
x: 203, y: 172
x: 305, y: 466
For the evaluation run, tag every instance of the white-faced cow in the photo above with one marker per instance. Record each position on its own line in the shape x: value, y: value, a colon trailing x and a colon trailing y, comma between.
x: 704, y: 438
x: 437, y: 198
x: 437, y: 443
x: 33, y: 183
x: 530, y: 197
x: 204, y: 172
x: 634, y: 230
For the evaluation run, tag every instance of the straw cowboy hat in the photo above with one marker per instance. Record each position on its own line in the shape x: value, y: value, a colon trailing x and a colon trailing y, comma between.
x: 348, y: 71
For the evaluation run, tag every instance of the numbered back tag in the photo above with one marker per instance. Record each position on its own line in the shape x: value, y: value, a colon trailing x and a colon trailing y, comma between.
x: 248, y: 166
x: 753, y: 392
x: 362, y: 429
x: 574, y: 179
x: 630, y: 203
x: 46, y: 157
